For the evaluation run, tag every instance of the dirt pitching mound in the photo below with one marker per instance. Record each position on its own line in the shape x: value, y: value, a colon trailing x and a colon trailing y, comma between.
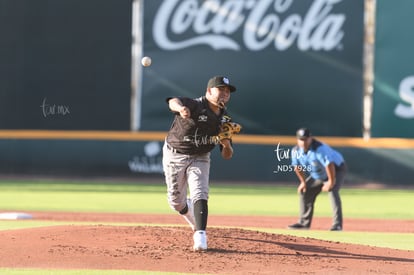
x: 157, y: 248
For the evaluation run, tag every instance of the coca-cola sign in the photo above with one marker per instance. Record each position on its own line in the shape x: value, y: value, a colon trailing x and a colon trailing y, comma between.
x: 263, y: 24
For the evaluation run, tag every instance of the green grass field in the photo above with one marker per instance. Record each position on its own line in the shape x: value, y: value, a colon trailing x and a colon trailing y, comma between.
x: 224, y: 199
x: 253, y: 199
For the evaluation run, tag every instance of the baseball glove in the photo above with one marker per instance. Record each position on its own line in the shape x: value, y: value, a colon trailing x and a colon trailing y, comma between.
x: 228, y: 129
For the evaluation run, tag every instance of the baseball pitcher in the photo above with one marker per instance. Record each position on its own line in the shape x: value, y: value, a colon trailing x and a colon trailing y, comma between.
x: 199, y: 125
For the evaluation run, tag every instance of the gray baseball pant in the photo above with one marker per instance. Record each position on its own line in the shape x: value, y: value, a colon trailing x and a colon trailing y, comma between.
x: 185, y: 173
x: 313, y: 188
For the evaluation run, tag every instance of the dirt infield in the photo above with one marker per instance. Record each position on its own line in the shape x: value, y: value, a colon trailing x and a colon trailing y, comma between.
x: 232, y: 250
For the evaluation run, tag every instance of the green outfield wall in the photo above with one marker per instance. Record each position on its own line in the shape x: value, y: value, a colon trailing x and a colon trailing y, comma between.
x: 139, y: 156
x: 65, y: 64
x: 69, y: 67
x: 393, y: 112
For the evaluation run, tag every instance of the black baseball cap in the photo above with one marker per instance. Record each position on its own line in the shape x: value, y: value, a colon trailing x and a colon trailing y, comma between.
x: 303, y: 133
x: 219, y: 81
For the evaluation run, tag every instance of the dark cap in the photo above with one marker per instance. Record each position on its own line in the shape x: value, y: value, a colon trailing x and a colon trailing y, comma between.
x: 303, y: 133
x: 219, y: 81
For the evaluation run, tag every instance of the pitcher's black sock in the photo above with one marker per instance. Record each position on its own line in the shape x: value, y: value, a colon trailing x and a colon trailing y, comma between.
x: 184, y: 210
x: 201, y: 214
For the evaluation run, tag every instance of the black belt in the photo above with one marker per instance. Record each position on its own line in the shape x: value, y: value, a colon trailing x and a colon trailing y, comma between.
x: 341, y: 166
x: 172, y: 149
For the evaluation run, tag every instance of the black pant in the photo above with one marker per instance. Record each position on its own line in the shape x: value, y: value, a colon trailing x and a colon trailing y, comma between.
x: 313, y: 188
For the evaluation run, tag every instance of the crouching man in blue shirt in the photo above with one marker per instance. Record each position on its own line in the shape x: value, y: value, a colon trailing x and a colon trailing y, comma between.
x: 319, y: 168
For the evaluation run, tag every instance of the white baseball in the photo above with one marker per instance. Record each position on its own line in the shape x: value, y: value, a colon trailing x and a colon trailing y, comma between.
x: 146, y: 61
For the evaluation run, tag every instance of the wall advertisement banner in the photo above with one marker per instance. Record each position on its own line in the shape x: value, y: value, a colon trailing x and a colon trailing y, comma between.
x: 294, y: 62
x: 393, y: 101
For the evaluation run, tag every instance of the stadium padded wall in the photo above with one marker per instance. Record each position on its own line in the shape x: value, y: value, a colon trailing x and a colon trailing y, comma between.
x: 141, y: 159
x: 65, y: 64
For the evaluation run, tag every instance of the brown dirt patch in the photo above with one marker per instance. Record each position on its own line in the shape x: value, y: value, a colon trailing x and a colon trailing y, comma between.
x: 232, y: 250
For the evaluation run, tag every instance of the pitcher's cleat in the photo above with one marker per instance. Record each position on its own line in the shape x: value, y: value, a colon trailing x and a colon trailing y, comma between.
x: 298, y: 226
x: 200, y: 241
x: 336, y: 228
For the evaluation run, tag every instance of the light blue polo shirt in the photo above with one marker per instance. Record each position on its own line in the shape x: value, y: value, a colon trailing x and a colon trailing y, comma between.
x: 316, y: 159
